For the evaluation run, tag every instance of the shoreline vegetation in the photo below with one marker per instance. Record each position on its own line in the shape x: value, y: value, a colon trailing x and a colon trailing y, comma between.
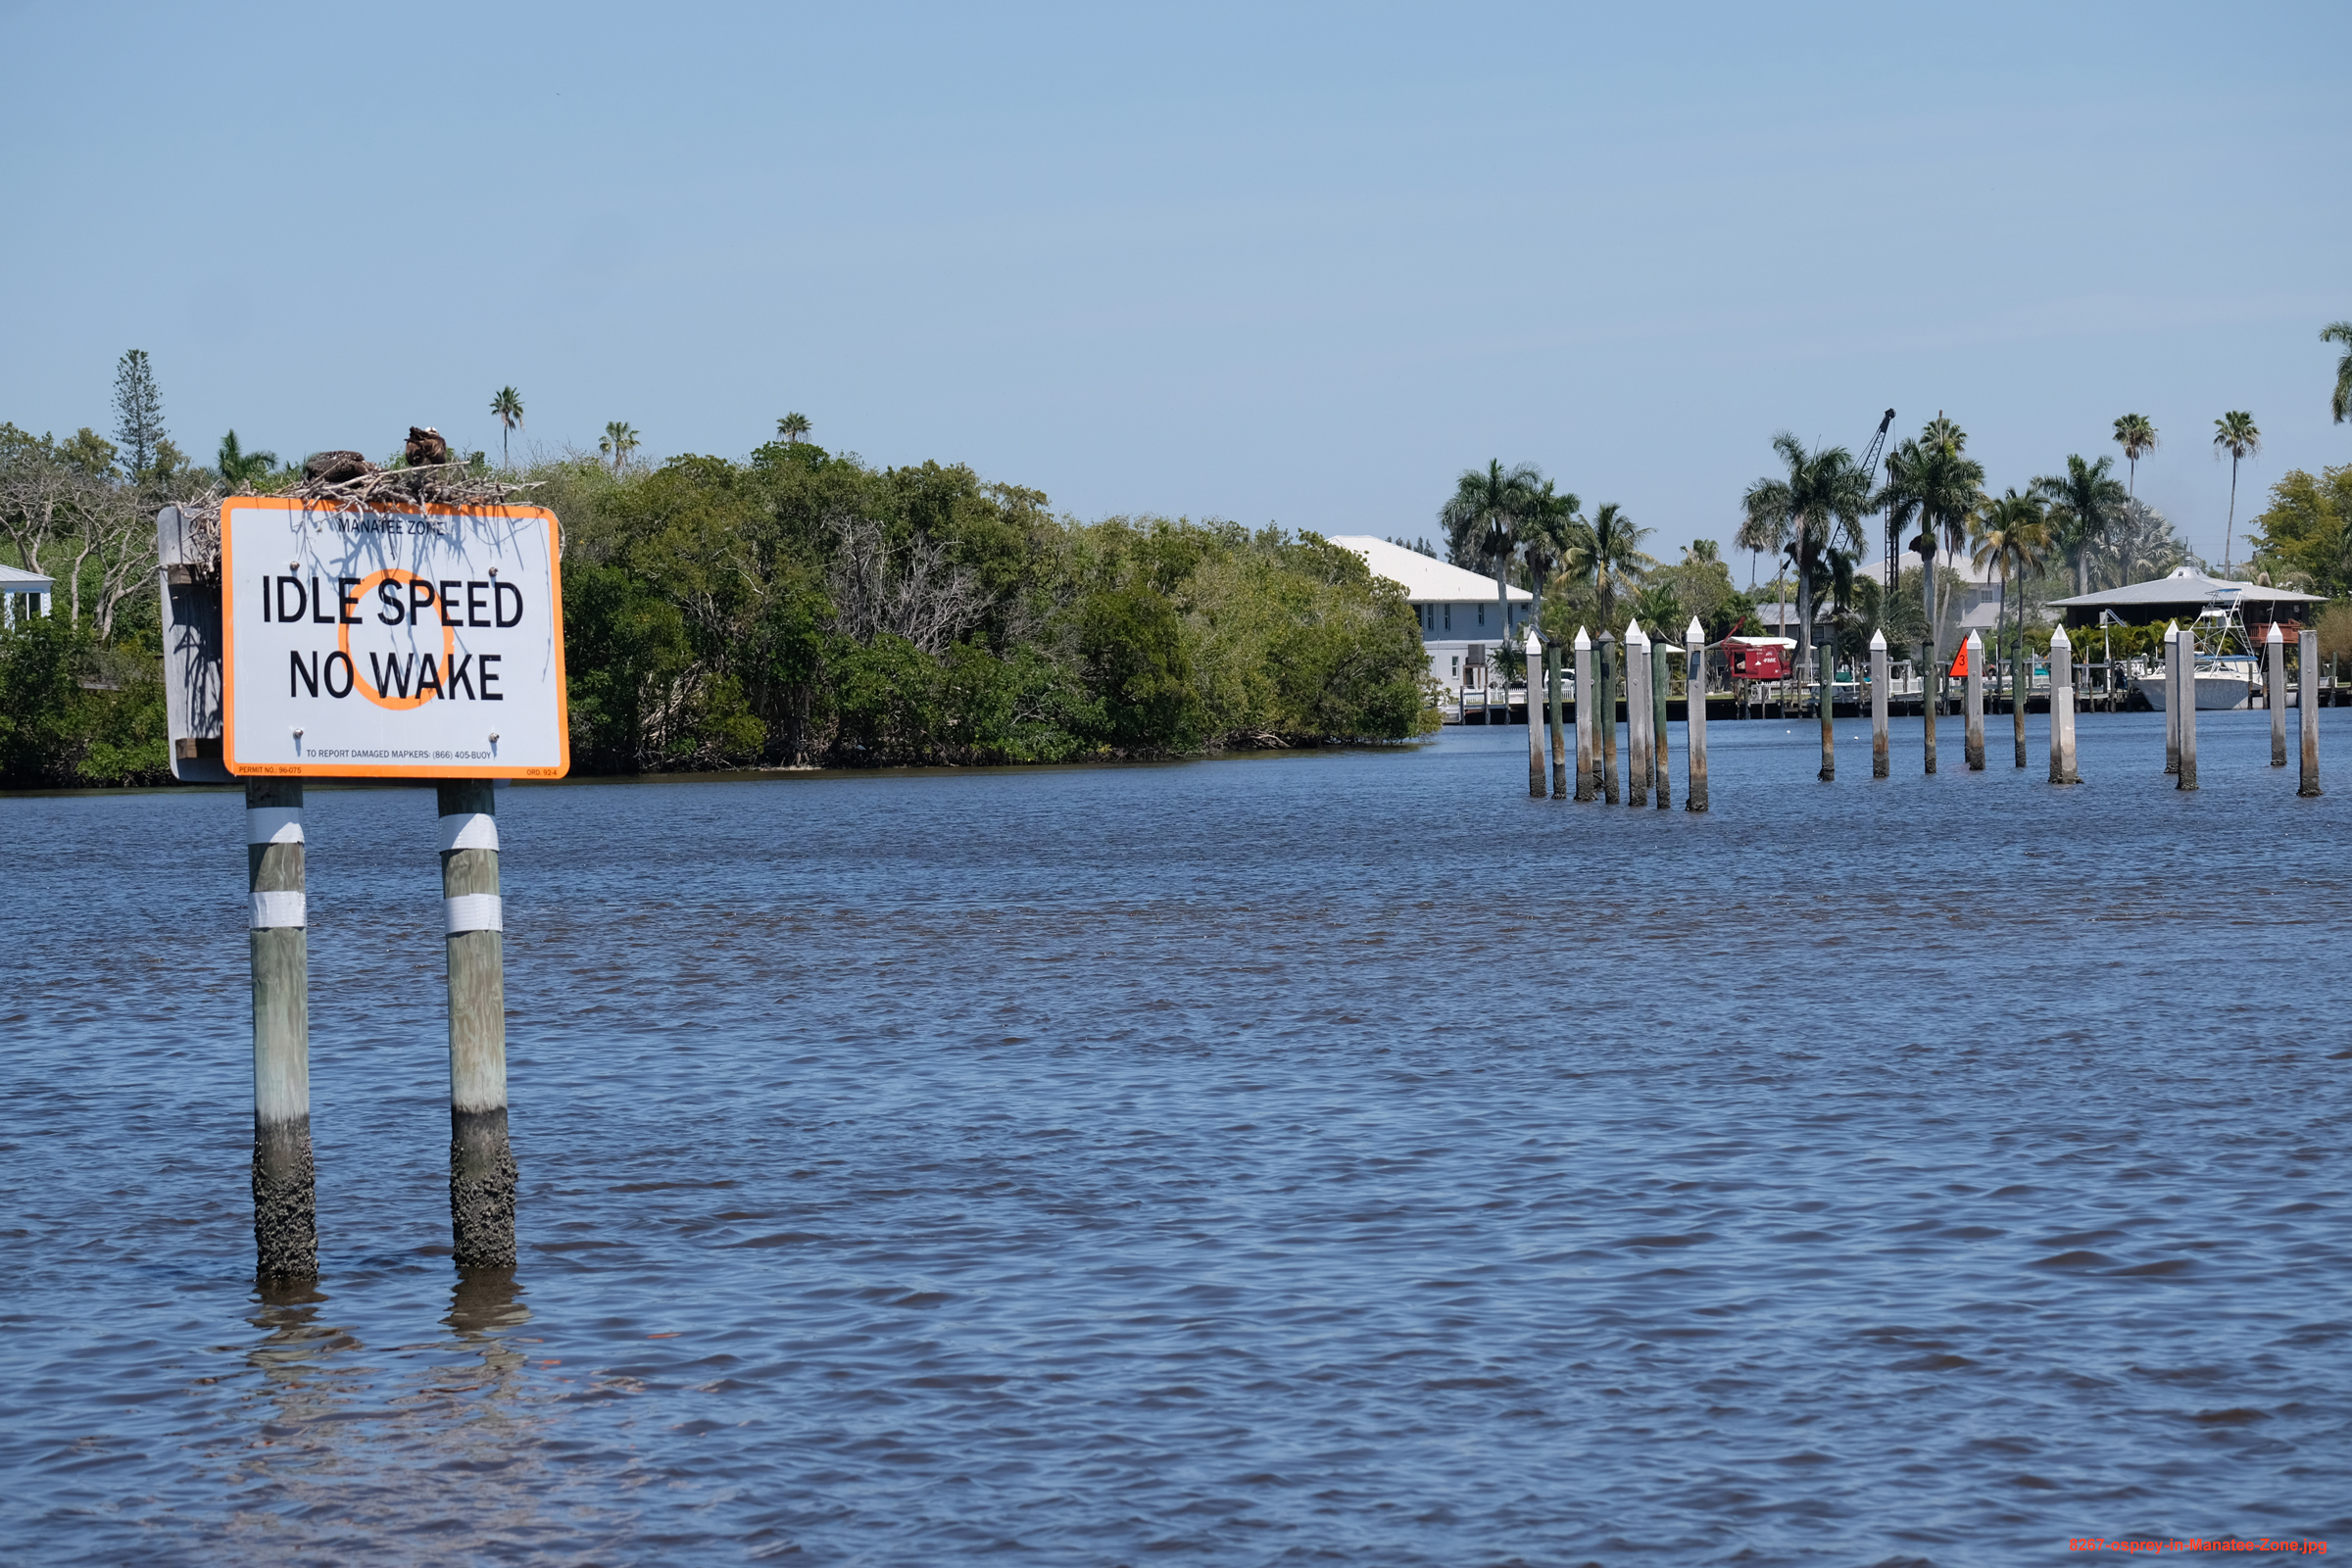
x: 799, y: 608
x: 793, y: 609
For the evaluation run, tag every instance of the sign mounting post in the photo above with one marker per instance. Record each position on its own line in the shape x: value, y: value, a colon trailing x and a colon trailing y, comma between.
x: 418, y: 641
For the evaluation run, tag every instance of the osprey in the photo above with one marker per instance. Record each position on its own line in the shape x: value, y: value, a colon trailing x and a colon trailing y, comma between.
x: 336, y: 467
x: 426, y: 446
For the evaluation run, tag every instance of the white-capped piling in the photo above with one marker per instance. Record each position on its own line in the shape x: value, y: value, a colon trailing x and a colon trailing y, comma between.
x: 1532, y: 650
x: 1552, y: 716
x: 1880, y: 761
x: 1661, y: 681
x: 2273, y: 685
x: 1585, y: 709
x: 2307, y: 710
x: 2186, y: 653
x: 2172, y: 697
x: 2062, y: 709
x: 1972, y: 694
x: 1694, y: 706
x: 481, y: 1163
x: 1605, y: 716
x: 1637, y: 714
x: 286, y: 1216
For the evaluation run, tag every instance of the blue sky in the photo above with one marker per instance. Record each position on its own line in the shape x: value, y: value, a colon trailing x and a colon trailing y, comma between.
x: 1297, y: 263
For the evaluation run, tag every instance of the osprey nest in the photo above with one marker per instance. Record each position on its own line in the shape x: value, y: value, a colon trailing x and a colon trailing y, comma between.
x: 344, y: 484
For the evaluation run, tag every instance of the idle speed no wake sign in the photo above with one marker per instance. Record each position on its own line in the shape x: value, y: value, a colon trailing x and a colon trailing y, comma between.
x: 426, y: 643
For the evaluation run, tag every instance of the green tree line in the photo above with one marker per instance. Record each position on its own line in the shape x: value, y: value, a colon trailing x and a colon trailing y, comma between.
x: 794, y: 608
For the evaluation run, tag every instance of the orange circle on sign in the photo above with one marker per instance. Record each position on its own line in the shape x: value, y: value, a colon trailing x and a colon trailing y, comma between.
x: 449, y: 638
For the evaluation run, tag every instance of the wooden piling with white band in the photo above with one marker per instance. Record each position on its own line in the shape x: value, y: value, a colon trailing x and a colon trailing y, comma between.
x: 285, y: 1215
x: 481, y: 1164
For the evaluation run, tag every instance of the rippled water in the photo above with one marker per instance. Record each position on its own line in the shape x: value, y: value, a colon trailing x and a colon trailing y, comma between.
x: 1323, y: 1157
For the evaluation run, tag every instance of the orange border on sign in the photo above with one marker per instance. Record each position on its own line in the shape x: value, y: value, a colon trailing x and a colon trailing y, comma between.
x: 229, y: 657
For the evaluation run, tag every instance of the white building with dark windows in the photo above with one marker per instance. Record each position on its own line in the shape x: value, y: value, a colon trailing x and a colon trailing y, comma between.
x: 23, y: 594
x: 1456, y: 608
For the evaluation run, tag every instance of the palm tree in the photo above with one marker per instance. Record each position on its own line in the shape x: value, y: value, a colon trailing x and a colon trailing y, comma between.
x: 1931, y: 482
x: 791, y: 427
x: 2340, y: 405
x: 1825, y: 490
x: 2084, y: 506
x: 240, y: 471
x: 2013, y: 534
x: 1546, y: 533
x: 620, y: 439
x: 2140, y: 545
x: 1607, y: 556
x: 2234, y: 433
x: 2137, y: 435
x: 1482, y: 519
x: 506, y: 403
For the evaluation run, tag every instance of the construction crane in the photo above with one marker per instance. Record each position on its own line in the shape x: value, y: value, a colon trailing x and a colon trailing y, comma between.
x: 1869, y: 473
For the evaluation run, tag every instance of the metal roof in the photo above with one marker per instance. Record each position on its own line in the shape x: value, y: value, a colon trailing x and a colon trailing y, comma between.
x: 1424, y: 580
x: 2184, y: 586
x: 14, y: 580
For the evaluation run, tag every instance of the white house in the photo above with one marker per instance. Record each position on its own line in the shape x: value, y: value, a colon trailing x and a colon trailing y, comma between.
x: 24, y: 593
x: 1456, y: 608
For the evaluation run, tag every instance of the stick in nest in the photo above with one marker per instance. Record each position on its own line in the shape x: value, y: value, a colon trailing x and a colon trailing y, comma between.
x: 446, y: 484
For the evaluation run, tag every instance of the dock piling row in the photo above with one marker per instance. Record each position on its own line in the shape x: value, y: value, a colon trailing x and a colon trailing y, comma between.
x: 1648, y: 670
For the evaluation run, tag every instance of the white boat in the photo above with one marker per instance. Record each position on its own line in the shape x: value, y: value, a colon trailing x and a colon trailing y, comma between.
x: 2222, y: 683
